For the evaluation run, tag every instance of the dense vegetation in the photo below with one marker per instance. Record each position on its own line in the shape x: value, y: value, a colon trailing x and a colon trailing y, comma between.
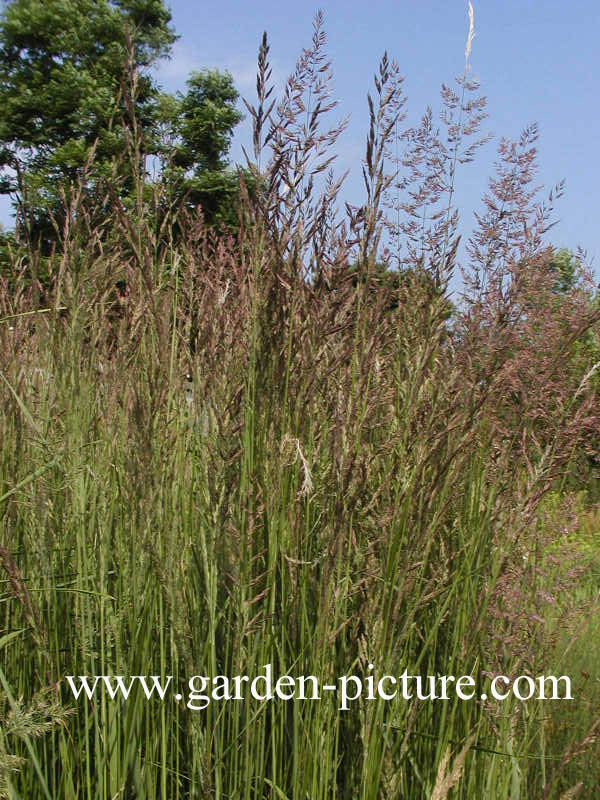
x: 66, y: 89
x: 365, y: 473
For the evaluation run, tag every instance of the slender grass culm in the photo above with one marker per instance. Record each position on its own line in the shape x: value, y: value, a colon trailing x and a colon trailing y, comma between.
x: 225, y: 451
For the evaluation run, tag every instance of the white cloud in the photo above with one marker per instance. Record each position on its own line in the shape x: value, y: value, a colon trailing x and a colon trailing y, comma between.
x: 174, y: 72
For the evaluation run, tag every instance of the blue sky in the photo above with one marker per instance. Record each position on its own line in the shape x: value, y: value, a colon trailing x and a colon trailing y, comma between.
x: 536, y: 61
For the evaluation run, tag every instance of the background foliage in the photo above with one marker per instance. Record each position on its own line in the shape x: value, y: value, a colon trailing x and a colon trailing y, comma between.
x: 63, y: 69
x: 364, y: 471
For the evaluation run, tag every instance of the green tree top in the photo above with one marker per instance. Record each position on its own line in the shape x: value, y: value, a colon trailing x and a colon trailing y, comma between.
x: 67, y: 68
x: 567, y: 267
x: 61, y: 68
x: 206, y: 118
x: 199, y: 124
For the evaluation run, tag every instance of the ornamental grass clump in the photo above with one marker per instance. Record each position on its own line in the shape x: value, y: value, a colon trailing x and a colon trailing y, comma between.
x: 366, y: 472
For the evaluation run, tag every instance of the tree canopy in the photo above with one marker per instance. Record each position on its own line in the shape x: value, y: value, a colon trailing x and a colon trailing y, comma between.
x: 64, y: 67
x: 200, y: 123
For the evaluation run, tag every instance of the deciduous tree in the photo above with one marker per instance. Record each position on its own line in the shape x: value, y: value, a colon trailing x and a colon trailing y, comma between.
x: 75, y: 75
